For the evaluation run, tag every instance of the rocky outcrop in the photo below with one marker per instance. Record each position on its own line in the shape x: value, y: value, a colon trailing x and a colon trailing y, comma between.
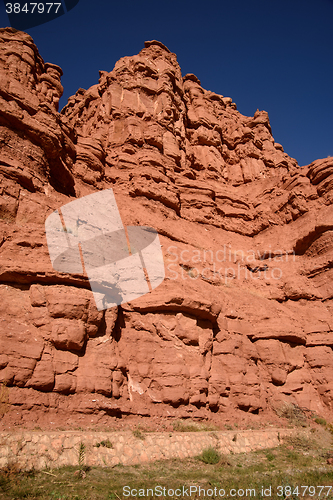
x: 243, y: 319
x: 36, y: 144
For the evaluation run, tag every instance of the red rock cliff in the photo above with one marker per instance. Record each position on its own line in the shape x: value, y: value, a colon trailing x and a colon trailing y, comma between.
x: 242, y: 321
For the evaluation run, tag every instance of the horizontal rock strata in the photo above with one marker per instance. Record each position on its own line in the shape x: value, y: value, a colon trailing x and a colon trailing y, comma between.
x: 243, y: 319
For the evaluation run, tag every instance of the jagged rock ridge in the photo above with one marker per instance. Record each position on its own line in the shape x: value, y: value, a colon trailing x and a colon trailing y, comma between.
x: 243, y: 318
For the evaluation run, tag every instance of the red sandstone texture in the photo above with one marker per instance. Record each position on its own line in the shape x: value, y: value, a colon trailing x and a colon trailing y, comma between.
x: 243, y: 320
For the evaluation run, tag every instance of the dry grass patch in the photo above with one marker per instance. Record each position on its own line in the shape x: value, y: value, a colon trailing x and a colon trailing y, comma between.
x: 191, y: 426
x: 293, y: 413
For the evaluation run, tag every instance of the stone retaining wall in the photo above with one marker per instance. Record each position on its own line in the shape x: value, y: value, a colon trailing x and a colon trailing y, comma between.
x: 36, y: 450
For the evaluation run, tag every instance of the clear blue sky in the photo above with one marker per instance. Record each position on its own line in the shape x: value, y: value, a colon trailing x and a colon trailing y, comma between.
x: 275, y: 55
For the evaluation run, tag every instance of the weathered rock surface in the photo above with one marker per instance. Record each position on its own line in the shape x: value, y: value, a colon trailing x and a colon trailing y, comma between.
x: 243, y: 320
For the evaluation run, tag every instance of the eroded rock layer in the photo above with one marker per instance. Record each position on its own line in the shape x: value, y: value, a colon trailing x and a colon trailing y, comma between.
x: 243, y: 320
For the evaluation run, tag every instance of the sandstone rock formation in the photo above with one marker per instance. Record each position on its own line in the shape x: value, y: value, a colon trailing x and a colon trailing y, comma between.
x: 243, y: 320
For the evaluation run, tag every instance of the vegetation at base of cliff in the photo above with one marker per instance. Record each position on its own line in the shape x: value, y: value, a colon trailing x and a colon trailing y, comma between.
x: 302, y: 460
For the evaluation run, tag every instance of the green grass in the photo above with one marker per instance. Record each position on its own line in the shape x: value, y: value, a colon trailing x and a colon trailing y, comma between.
x: 210, y: 456
x: 270, y: 456
x: 299, y: 461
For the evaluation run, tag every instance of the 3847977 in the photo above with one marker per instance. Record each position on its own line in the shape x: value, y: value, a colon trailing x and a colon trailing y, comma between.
x: 31, y: 8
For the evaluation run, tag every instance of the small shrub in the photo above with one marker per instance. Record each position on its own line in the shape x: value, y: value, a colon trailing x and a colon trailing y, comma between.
x: 11, y: 469
x: 321, y: 421
x: 138, y: 434
x: 210, y: 456
x: 270, y: 456
x: 82, y: 454
x: 106, y: 444
x: 4, y: 483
